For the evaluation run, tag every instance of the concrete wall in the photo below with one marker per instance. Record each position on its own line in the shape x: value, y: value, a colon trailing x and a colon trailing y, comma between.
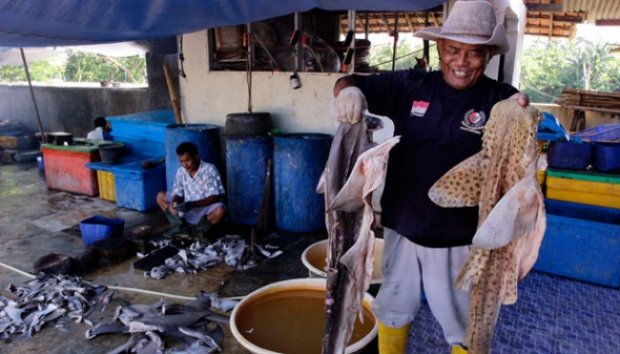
x: 208, y: 96
x: 158, y: 89
x: 73, y: 108
x: 70, y: 109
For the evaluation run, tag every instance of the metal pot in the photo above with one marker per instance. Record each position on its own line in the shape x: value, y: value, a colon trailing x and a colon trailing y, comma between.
x: 56, y: 138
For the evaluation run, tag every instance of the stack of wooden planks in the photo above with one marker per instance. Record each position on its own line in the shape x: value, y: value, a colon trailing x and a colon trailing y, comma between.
x: 590, y: 100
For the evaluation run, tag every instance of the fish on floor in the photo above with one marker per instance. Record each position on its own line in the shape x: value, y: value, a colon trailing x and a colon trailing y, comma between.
x: 230, y: 249
x: 353, y: 171
x: 187, y: 324
x: 501, y: 180
x: 43, y: 300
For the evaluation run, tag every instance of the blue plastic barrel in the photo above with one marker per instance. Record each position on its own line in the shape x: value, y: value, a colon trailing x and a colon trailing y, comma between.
x: 246, y: 169
x: 204, y: 136
x: 299, y: 160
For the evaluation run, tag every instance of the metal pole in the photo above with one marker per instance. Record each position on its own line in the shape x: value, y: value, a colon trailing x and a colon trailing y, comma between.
x: 351, y: 25
x: 299, y: 55
x: 395, y: 41
x: 427, y: 54
x: 34, y: 101
x: 249, y: 65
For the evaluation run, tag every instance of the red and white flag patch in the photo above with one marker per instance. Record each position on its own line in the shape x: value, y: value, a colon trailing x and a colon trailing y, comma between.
x: 418, y: 108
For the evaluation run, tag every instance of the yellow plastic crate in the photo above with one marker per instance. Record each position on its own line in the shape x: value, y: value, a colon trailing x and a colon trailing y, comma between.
x: 583, y: 191
x: 541, y: 174
x: 106, y: 185
x: 8, y: 142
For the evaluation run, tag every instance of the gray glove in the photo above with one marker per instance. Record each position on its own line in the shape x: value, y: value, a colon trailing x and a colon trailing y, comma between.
x: 350, y: 104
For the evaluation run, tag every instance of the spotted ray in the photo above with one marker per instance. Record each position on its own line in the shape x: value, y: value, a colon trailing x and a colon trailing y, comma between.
x: 501, y: 180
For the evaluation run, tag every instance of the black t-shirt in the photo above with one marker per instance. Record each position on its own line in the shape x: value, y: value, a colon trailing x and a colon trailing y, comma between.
x: 440, y: 127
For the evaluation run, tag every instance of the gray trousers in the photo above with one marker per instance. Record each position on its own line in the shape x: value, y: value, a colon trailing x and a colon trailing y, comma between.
x: 406, y: 268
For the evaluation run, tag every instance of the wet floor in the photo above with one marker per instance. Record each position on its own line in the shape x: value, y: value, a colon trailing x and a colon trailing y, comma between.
x: 553, y: 315
x: 35, y: 221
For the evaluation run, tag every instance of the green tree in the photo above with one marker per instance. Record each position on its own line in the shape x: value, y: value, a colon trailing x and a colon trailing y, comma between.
x: 550, y: 66
x: 381, y: 55
x: 12, y: 73
x: 41, y: 71
x: 81, y: 67
x: 84, y: 67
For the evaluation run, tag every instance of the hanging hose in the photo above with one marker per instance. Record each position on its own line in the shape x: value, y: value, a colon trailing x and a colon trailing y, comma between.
x: 248, y: 71
x: 19, y: 271
x: 126, y: 289
x: 181, y: 57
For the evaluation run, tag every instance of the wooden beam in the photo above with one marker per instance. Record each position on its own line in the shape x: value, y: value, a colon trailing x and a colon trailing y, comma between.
x: 608, y: 22
x: 556, y: 18
x: 386, y: 23
x: 359, y: 25
x: 544, y: 7
x: 551, y: 26
x: 409, y: 21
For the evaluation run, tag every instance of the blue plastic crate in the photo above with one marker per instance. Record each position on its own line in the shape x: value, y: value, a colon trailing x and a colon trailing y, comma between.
x: 99, y: 227
x: 607, y: 157
x: 144, y: 133
x: 142, y: 147
x: 581, y: 242
x: 136, y: 188
x: 569, y: 155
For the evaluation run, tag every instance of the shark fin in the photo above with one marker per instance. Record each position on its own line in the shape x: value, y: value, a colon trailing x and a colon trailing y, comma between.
x: 366, y: 176
x: 514, y: 216
x: 320, y: 187
x: 460, y: 186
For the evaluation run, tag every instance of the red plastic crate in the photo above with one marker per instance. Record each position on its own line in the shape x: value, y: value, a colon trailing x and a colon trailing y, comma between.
x: 66, y: 170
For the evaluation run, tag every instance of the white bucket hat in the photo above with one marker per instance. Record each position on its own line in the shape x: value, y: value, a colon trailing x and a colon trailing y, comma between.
x: 470, y: 22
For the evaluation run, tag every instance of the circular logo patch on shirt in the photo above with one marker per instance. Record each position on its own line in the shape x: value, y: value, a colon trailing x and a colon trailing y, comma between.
x: 474, y: 121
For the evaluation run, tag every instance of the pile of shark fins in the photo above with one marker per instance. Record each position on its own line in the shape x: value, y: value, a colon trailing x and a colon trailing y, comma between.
x: 46, y: 299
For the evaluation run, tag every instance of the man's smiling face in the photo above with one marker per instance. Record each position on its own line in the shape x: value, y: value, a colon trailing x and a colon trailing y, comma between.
x: 462, y: 64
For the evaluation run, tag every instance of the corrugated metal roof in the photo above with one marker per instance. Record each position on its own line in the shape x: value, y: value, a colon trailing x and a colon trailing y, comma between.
x: 384, y: 22
x: 549, y: 18
x: 594, y: 9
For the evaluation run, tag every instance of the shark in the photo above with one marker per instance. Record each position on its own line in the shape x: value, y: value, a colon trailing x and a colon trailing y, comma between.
x: 355, y: 168
x: 501, y: 180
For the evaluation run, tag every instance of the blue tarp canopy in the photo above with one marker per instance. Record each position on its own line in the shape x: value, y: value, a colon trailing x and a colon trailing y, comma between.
x: 38, y: 23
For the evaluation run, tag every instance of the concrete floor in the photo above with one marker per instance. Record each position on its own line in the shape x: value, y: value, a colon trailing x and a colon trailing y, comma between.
x: 554, y: 315
x: 35, y: 221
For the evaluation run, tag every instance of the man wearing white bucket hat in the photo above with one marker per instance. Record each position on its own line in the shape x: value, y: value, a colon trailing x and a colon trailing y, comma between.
x: 440, y: 116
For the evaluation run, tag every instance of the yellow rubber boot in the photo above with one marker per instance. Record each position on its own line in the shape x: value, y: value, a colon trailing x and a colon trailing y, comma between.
x: 393, y: 340
x: 457, y: 349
